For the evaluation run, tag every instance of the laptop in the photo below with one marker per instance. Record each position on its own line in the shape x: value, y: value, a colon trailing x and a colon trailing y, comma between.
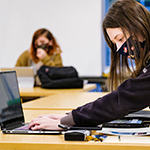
x: 133, y: 120
x: 25, y: 76
x: 11, y: 112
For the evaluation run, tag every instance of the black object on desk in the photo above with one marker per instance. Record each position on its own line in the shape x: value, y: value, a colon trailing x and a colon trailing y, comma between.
x: 79, y: 128
x: 76, y: 135
x: 132, y: 120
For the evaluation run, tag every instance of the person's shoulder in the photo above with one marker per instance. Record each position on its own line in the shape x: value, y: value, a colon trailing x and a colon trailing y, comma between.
x: 25, y: 53
x: 147, y: 67
x: 145, y: 72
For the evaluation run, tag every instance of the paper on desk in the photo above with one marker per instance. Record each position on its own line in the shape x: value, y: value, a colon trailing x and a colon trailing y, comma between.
x: 125, y: 131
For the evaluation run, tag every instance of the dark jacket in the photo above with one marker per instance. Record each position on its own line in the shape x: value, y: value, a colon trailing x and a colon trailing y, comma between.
x: 131, y: 96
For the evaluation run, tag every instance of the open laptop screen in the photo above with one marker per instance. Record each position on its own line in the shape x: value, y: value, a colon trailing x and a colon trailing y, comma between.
x: 10, y: 103
x: 25, y: 76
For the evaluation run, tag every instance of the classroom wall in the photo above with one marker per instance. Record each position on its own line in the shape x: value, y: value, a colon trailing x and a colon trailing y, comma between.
x: 76, y: 24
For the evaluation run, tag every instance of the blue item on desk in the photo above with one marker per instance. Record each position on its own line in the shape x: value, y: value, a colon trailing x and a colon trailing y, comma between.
x: 97, y: 89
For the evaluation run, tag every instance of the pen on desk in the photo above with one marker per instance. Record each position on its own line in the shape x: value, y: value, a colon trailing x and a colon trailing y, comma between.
x: 122, y: 133
x: 119, y: 138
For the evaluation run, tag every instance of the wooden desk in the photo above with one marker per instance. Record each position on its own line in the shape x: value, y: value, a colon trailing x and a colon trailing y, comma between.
x: 56, y: 142
x: 63, y: 101
x: 38, y: 91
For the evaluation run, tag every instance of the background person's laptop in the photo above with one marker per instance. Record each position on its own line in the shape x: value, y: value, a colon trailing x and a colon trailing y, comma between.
x: 11, y: 113
x: 25, y: 76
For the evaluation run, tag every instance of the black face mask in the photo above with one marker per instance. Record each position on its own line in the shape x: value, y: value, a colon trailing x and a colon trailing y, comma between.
x: 123, y: 50
x: 45, y: 47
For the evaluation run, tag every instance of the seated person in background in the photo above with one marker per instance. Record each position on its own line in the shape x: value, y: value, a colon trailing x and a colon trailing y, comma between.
x: 44, y: 50
x: 126, y: 28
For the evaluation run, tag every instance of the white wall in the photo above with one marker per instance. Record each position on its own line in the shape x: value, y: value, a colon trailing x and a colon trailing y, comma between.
x: 76, y: 24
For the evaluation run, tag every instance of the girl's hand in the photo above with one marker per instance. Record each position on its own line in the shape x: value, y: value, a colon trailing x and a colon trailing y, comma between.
x: 44, y: 123
x: 41, y: 53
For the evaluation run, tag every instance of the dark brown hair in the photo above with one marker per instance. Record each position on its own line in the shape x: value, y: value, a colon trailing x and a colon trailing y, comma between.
x: 130, y: 16
x: 48, y: 35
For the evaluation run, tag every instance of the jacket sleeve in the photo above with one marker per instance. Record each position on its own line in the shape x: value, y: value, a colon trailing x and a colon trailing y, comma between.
x: 53, y: 61
x: 67, y: 120
x: 131, y: 96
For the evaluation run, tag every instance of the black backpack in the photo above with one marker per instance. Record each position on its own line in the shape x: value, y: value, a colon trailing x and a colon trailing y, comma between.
x: 59, y: 77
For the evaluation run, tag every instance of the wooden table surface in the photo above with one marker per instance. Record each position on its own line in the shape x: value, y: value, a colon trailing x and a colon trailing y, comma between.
x: 63, y: 101
x: 57, y: 142
x: 38, y: 91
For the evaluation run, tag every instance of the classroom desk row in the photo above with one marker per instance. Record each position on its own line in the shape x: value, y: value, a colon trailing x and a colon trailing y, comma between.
x: 57, y: 142
x: 64, y: 102
x: 39, y: 92
x: 61, y: 103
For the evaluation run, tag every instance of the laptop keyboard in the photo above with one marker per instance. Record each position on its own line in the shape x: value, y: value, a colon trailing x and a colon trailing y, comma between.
x: 25, y: 127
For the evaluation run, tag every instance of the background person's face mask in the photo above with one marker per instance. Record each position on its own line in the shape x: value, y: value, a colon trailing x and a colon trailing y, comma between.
x: 45, y: 47
x: 123, y: 50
